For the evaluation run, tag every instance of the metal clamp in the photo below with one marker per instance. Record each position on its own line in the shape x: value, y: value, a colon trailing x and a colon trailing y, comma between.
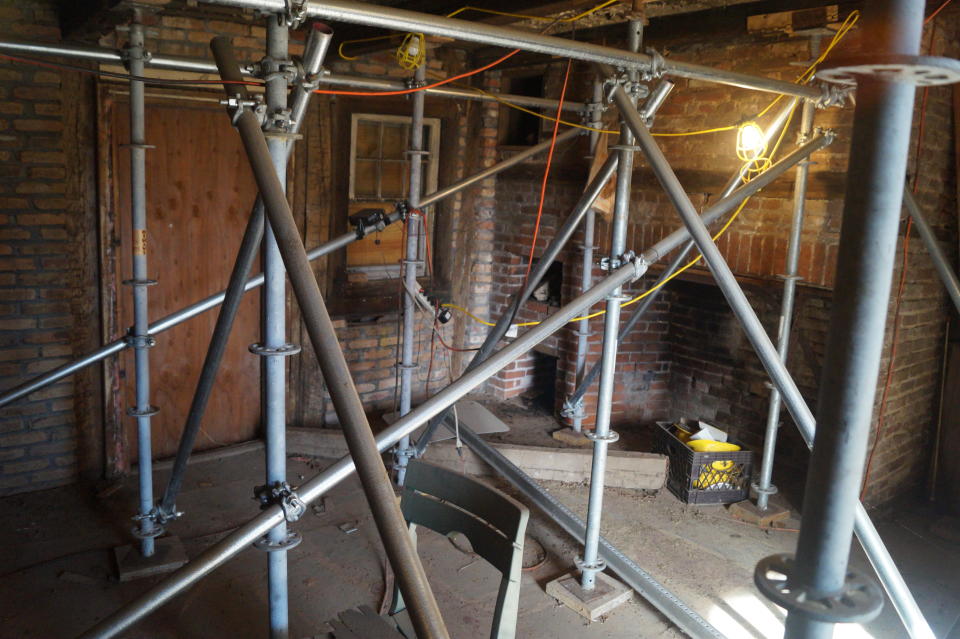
x: 150, y: 411
x: 573, y: 410
x: 610, y: 437
x: 136, y: 282
x: 760, y: 490
x: 413, y: 83
x: 613, y: 263
x: 154, y: 516
x: 286, y: 350
x: 657, y: 65
x: 860, y: 600
x: 237, y: 106
x: 295, y: 12
x: 126, y: 54
x: 918, y: 70
x: 292, y: 540
x: 283, y: 495
x: 599, y: 566
x: 139, y: 341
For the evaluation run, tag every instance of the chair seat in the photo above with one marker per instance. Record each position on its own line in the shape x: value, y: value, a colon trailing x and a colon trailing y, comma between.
x: 362, y: 623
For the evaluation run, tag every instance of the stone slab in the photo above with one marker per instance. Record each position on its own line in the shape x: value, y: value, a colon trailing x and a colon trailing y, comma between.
x: 571, y: 437
x: 747, y: 511
x: 168, y: 556
x: 608, y: 593
x: 625, y: 469
x: 476, y: 416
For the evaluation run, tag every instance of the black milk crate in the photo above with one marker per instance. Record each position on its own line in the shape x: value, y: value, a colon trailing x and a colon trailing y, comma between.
x: 703, y: 478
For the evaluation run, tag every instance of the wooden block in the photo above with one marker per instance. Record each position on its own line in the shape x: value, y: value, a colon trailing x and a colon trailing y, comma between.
x: 608, y: 593
x: 747, y: 511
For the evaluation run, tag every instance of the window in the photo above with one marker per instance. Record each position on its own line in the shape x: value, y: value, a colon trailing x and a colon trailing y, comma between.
x: 379, y: 177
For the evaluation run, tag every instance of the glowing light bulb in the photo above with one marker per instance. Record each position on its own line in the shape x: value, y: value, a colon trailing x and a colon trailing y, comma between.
x: 751, y: 142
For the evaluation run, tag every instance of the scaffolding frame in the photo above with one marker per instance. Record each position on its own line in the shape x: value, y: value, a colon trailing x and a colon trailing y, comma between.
x: 365, y: 448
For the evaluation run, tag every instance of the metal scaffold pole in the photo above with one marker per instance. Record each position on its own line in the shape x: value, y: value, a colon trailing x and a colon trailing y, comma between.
x: 318, y: 42
x: 576, y: 410
x: 273, y: 347
x: 313, y: 489
x: 764, y: 485
x: 602, y: 435
x: 147, y: 527
x: 376, y: 484
x: 411, y: 263
x: 877, y: 553
x: 940, y: 262
x: 865, y: 258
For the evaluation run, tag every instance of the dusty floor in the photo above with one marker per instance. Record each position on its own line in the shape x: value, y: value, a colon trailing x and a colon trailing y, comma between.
x: 58, y: 577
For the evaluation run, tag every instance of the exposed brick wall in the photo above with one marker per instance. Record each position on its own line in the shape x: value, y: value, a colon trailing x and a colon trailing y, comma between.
x: 692, y: 344
x: 40, y: 262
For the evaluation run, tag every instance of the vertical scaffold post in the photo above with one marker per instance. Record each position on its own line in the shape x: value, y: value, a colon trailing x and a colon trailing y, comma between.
x: 865, y: 258
x: 147, y: 528
x: 411, y: 264
x: 602, y: 436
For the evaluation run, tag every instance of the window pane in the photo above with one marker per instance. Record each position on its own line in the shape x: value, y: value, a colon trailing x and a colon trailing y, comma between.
x: 393, y: 179
x: 394, y: 140
x: 368, y: 139
x: 365, y: 179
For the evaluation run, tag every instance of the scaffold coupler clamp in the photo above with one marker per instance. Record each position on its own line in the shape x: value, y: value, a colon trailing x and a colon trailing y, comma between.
x: 573, y: 410
x: 859, y: 601
x: 237, y: 105
x: 283, y: 495
x: 294, y: 13
x: 656, y: 68
x: 157, y: 528
x: 163, y: 516
x: 368, y: 221
x: 640, y: 266
x: 613, y: 263
x: 139, y: 341
x: 127, y: 54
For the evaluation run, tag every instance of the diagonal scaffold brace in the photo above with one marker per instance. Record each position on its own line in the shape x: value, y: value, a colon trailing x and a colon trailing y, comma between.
x: 880, y: 558
x: 424, y: 612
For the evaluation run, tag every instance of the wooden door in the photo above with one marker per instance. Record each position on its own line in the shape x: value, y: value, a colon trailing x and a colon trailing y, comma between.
x: 199, y: 193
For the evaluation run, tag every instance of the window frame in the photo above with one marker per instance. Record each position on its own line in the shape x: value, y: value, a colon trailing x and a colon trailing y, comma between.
x: 432, y: 173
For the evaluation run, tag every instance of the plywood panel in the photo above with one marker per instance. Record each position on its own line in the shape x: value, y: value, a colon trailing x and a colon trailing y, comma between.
x: 199, y: 192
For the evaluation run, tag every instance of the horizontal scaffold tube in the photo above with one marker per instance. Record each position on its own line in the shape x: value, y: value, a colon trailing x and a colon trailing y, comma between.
x: 168, y: 322
x: 198, y: 65
x: 319, y: 485
x: 411, y: 21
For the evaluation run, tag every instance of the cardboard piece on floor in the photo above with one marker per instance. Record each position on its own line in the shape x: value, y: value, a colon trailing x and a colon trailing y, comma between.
x: 168, y: 556
x: 476, y: 417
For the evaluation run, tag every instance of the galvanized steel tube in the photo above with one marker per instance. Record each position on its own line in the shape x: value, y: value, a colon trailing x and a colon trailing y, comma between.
x: 499, y: 167
x: 147, y: 527
x: 890, y: 577
x: 944, y: 269
x: 313, y: 489
x: 424, y: 612
x: 411, y: 264
x: 562, y: 236
x: 602, y: 435
x: 273, y: 347
x: 764, y: 485
x: 586, y: 266
x: 865, y: 257
x: 411, y: 21
x: 317, y: 44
